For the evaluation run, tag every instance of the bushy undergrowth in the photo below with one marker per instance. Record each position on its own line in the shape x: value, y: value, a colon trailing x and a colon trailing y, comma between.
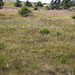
x: 24, y: 11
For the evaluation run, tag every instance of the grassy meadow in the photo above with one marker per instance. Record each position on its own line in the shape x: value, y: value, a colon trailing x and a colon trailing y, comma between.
x: 26, y: 51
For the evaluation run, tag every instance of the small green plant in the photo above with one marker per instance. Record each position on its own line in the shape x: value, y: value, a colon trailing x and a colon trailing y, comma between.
x: 63, y: 59
x: 58, y: 34
x: 35, y: 8
x: 73, y: 16
x: 1, y: 45
x: 24, y: 11
x: 44, y: 31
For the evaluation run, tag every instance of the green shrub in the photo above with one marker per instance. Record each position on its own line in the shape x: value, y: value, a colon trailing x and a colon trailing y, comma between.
x: 63, y: 59
x: 27, y: 3
x: 1, y: 3
x: 39, y: 4
x: 24, y: 11
x: 73, y: 16
x: 35, y: 8
x: 1, y: 45
x: 55, y: 7
x: 48, y: 7
x: 18, y: 3
x: 44, y: 31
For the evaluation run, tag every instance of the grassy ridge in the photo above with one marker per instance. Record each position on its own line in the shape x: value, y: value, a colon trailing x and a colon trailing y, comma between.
x: 24, y: 50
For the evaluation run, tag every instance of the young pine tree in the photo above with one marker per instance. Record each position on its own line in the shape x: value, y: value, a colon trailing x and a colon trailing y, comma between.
x: 1, y: 3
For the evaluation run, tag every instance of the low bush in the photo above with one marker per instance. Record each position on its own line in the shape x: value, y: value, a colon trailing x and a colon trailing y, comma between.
x: 27, y: 3
x: 18, y: 3
x: 24, y: 11
x: 44, y: 31
x: 48, y: 7
x: 39, y: 4
x: 35, y: 8
x: 73, y: 16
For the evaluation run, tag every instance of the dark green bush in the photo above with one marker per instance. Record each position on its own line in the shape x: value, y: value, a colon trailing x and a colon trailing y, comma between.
x: 63, y: 59
x: 24, y: 11
x: 73, y: 16
x: 35, y: 8
x: 39, y: 4
x: 44, y: 31
x: 18, y: 3
x: 55, y: 7
x: 1, y: 3
x: 27, y: 3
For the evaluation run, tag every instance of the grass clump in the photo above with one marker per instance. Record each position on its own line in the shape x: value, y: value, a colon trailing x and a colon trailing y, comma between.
x: 24, y: 11
x: 73, y: 16
x: 1, y: 45
x: 63, y: 59
x: 74, y: 69
x: 44, y: 31
x: 2, y: 63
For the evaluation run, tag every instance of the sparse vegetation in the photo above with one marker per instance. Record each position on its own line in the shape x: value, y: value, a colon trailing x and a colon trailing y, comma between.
x: 41, y: 44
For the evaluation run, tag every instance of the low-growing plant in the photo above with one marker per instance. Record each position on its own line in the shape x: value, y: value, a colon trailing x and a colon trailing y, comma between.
x: 74, y: 69
x: 58, y: 34
x: 1, y: 45
x: 24, y: 11
x: 63, y: 59
x: 44, y: 31
x: 2, y: 63
x: 73, y: 16
x: 48, y: 7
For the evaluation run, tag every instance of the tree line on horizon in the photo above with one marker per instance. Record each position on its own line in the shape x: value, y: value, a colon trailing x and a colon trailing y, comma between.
x: 55, y: 4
